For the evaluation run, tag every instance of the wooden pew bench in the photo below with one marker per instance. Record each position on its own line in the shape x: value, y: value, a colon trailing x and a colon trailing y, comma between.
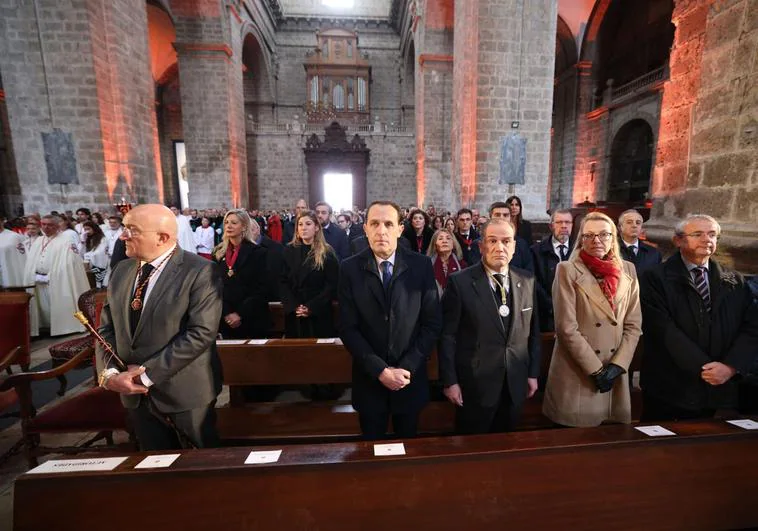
x: 610, y: 477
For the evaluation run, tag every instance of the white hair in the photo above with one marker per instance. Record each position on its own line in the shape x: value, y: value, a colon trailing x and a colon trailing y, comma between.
x: 679, y: 229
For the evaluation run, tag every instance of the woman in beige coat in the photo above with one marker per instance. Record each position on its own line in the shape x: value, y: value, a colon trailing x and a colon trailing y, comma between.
x: 597, y: 324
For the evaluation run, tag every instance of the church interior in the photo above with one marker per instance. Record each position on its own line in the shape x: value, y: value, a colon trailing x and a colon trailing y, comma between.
x: 212, y: 104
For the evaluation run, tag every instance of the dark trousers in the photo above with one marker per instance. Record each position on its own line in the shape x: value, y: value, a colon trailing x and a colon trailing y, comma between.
x: 501, y: 418
x: 374, y: 425
x: 655, y: 410
x: 199, y: 426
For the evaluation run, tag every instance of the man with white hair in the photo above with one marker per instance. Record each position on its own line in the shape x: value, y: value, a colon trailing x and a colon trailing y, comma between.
x: 700, y: 328
x: 57, y: 273
x: 633, y: 250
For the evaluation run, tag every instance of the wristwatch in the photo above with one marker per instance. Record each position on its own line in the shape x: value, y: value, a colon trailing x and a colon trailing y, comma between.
x: 106, y: 375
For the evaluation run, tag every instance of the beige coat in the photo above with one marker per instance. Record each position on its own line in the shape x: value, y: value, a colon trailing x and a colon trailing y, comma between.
x: 589, y: 335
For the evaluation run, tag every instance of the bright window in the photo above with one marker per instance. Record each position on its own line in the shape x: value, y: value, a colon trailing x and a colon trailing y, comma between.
x: 338, y: 190
x: 338, y: 3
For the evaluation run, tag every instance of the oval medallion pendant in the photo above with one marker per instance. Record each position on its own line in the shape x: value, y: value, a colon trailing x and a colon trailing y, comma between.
x: 504, y: 311
x: 230, y: 273
x: 136, y: 305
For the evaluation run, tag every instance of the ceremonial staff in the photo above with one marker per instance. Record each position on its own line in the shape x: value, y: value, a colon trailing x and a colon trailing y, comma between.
x: 113, y: 357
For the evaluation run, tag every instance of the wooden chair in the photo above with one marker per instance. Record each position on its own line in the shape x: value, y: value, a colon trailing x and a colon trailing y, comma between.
x: 93, y: 410
x: 90, y: 304
x: 9, y: 399
x: 14, y: 314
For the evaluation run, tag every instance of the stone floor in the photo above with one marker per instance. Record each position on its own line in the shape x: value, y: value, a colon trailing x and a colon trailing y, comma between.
x: 16, y: 465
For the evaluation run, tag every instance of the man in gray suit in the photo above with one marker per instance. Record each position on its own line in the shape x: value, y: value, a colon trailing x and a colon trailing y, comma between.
x: 162, y: 317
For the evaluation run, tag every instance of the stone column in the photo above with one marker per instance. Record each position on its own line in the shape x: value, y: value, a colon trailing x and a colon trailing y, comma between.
x: 434, y: 100
x: 210, y: 75
x: 707, y: 150
x: 504, y: 69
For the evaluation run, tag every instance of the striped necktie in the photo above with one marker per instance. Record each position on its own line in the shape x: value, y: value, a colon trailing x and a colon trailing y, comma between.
x: 701, y: 285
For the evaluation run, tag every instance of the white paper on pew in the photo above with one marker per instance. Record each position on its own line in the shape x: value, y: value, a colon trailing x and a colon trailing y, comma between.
x: 55, y: 466
x: 259, y: 458
x: 389, y: 449
x: 231, y: 341
x: 257, y: 342
x: 157, y: 461
x: 343, y: 408
x: 326, y: 341
x: 654, y: 431
x: 746, y: 424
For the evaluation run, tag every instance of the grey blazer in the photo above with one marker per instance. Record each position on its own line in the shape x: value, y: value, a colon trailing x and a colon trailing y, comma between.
x: 175, y: 339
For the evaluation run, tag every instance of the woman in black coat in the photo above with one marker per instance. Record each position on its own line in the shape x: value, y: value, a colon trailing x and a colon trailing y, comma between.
x: 523, y: 227
x: 242, y: 265
x: 308, y: 283
x: 418, y: 232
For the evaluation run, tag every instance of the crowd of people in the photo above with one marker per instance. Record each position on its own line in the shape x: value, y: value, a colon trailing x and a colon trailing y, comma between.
x: 476, y: 287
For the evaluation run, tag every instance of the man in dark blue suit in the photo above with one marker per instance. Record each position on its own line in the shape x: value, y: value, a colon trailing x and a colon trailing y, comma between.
x: 334, y: 235
x: 522, y: 257
x: 642, y: 255
x: 554, y: 248
x: 390, y: 319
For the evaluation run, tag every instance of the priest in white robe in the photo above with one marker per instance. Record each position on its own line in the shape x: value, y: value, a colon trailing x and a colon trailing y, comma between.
x: 57, y: 273
x: 12, y: 257
x: 185, y: 236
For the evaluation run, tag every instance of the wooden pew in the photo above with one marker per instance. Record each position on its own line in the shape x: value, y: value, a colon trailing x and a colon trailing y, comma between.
x: 610, y: 477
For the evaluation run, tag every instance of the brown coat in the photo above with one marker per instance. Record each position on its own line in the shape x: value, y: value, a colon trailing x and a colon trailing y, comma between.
x: 589, y: 335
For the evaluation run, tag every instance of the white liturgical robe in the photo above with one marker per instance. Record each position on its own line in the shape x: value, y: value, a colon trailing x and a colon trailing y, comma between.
x: 12, y: 259
x: 185, y: 236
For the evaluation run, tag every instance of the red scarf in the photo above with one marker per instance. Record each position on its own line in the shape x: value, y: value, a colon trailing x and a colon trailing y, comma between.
x: 606, y: 271
x: 453, y: 265
x: 231, y: 255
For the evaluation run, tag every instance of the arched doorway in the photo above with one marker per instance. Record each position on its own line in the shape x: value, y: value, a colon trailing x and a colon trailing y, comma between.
x: 631, y: 163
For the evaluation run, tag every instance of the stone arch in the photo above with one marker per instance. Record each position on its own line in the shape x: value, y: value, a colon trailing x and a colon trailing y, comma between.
x: 408, y: 95
x: 588, y: 48
x: 253, y: 43
x: 566, y: 54
x: 631, y: 162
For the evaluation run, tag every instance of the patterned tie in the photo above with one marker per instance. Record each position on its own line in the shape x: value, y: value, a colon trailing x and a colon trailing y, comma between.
x: 386, y: 275
x: 701, y: 284
x: 562, y: 250
x: 134, y: 315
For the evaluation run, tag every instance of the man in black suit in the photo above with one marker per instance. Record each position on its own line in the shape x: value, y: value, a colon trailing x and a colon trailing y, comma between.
x: 522, y: 257
x: 467, y: 236
x: 352, y: 230
x: 389, y: 322
x: 274, y: 261
x: 162, y: 316
x: 334, y: 235
x: 490, y: 347
x: 547, y: 254
x: 700, y: 329
x: 642, y: 255
x: 288, y: 226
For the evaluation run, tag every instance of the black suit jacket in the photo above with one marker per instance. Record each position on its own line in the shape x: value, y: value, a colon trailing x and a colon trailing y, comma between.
x: 119, y: 253
x: 246, y: 292
x: 356, y: 231
x: 274, y: 261
x: 647, y: 256
x: 545, y: 262
x: 471, y: 253
x: 175, y: 339
x: 337, y: 238
x: 399, y: 332
x: 681, y: 336
x: 476, y: 351
x: 301, y: 283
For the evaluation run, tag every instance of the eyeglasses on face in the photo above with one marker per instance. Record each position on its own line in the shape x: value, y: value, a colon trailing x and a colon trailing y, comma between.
x: 712, y: 235
x: 603, y: 236
x: 130, y: 232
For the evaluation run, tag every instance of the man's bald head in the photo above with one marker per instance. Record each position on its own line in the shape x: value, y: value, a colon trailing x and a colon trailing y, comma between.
x: 150, y: 231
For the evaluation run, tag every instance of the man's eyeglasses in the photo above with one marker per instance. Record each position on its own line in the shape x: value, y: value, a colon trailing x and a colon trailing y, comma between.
x: 130, y: 232
x: 712, y: 235
x: 603, y: 236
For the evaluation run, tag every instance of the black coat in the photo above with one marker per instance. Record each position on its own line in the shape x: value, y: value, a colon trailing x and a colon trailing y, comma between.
x: 525, y: 231
x: 426, y: 238
x: 119, y: 253
x: 356, y: 231
x: 301, y: 283
x: 245, y: 293
x: 681, y: 336
x: 471, y: 253
x: 647, y: 256
x: 476, y: 351
x: 337, y: 238
x: 401, y: 332
x: 545, y: 262
x: 274, y: 261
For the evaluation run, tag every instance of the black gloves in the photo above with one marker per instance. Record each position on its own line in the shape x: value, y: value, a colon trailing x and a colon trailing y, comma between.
x: 604, y: 378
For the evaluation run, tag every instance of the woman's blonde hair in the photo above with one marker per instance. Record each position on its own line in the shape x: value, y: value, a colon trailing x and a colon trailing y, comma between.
x: 614, y: 252
x: 247, y: 231
x: 319, y: 247
x: 432, y: 251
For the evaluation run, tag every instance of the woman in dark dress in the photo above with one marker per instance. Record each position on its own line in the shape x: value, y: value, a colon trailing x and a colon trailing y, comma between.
x: 418, y: 232
x: 523, y: 227
x: 242, y: 265
x: 308, y: 282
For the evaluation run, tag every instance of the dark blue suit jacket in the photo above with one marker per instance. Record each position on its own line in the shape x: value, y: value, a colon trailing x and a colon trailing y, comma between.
x: 522, y: 258
x: 337, y: 238
x: 399, y: 332
x: 647, y: 256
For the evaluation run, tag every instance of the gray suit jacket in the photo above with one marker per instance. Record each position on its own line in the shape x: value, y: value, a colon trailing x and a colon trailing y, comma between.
x: 175, y: 339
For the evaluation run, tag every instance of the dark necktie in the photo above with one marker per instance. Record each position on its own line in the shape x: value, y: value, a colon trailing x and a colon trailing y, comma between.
x: 562, y: 250
x: 701, y: 284
x: 141, y: 290
x: 499, y: 281
x: 386, y: 275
